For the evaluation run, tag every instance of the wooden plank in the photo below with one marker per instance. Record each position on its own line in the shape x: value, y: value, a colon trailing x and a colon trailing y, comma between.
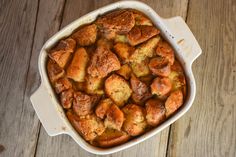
x: 208, y: 129
x: 18, y: 125
x: 63, y: 145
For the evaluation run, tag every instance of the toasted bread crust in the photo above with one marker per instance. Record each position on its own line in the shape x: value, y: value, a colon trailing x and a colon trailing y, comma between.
x: 161, y: 86
x: 54, y: 71
x: 103, y: 62
x: 155, y: 112
x: 102, y: 107
x: 120, y: 21
x: 111, y: 138
x: 77, y: 68
x: 140, y: 90
x: 123, y: 50
x: 135, y: 123
x: 83, y: 103
x: 115, y: 118
x: 160, y: 66
x: 62, y: 84
x: 86, y: 35
x: 166, y: 51
x: 66, y: 98
x: 140, y: 34
x: 89, y: 126
x: 62, y: 51
x: 173, y: 102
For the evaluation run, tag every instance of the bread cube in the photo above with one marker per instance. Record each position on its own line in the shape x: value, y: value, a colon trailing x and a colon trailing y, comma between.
x: 125, y: 71
x: 155, y: 112
x: 173, y: 102
x: 89, y: 126
x: 141, y: 33
x: 102, y: 107
x: 86, y: 35
x: 62, y: 51
x: 77, y: 68
x: 54, y: 71
x: 117, y: 89
x: 160, y: 66
x: 123, y: 50
x: 135, y: 122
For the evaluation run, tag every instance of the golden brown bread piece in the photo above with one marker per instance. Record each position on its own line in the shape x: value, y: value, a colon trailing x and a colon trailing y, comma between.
x: 83, y: 103
x: 161, y: 86
x: 54, y: 71
x: 111, y: 137
x: 177, y: 77
x: 155, y: 112
x: 119, y: 21
x: 173, y: 102
x: 123, y: 50
x: 62, y: 84
x: 103, y: 42
x: 145, y: 50
x: 141, y: 19
x: 86, y: 35
x: 135, y: 122
x: 165, y: 50
x: 102, y: 107
x: 140, y: 34
x: 147, y: 79
x: 114, y: 118
x: 125, y: 71
x: 77, y: 67
x: 93, y: 85
x: 103, y: 62
x: 141, y: 69
x: 89, y: 126
x: 62, y: 51
x: 66, y: 98
x: 140, y: 90
x: 117, y: 89
x: 160, y: 66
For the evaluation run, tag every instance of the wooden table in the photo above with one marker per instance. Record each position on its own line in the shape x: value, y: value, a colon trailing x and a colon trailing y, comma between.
x: 209, y: 127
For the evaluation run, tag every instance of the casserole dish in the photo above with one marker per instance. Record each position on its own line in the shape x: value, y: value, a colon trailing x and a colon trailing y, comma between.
x: 174, y: 30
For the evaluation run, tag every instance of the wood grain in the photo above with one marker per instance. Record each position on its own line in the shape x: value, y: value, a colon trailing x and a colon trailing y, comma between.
x: 61, y: 145
x: 208, y: 129
x: 18, y: 123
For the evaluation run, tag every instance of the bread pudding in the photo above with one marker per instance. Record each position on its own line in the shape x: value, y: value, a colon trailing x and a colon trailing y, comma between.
x: 116, y: 78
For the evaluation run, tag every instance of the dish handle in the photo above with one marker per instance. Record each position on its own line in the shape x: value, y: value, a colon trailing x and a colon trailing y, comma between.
x: 184, y: 38
x: 47, y: 112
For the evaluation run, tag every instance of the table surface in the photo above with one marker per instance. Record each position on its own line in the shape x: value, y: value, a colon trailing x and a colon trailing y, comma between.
x: 208, y: 129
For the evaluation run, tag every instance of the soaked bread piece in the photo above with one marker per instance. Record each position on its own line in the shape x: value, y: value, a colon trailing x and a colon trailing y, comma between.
x: 93, y: 85
x: 124, y: 51
x: 76, y: 69
x: 111, y: 137
x: 144, y: 50
x: 89, y: 126
x: 140, y: 34
x: 83, y: 103
x: 119, y: 21
x: 161, y: 86
x: 141, y: 69
x: 66, y: 98
x: 173, y: 102
x: 160, y: 66
x: 102, y: 107
x: 103, y: 62
x: 155, y: 112
x: 54, y: 71
x: 165, y: 50
x: 86, y: 35
x: 135, y: 123
x: 62, y: 51
x: 117, y: 89
x: 62, y: 84
x: 114, y: 117
x: 125, y: 71
x: 140, y: 90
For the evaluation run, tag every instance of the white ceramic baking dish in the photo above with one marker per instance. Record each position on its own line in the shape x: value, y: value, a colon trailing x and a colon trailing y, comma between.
x: 173, y: 29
